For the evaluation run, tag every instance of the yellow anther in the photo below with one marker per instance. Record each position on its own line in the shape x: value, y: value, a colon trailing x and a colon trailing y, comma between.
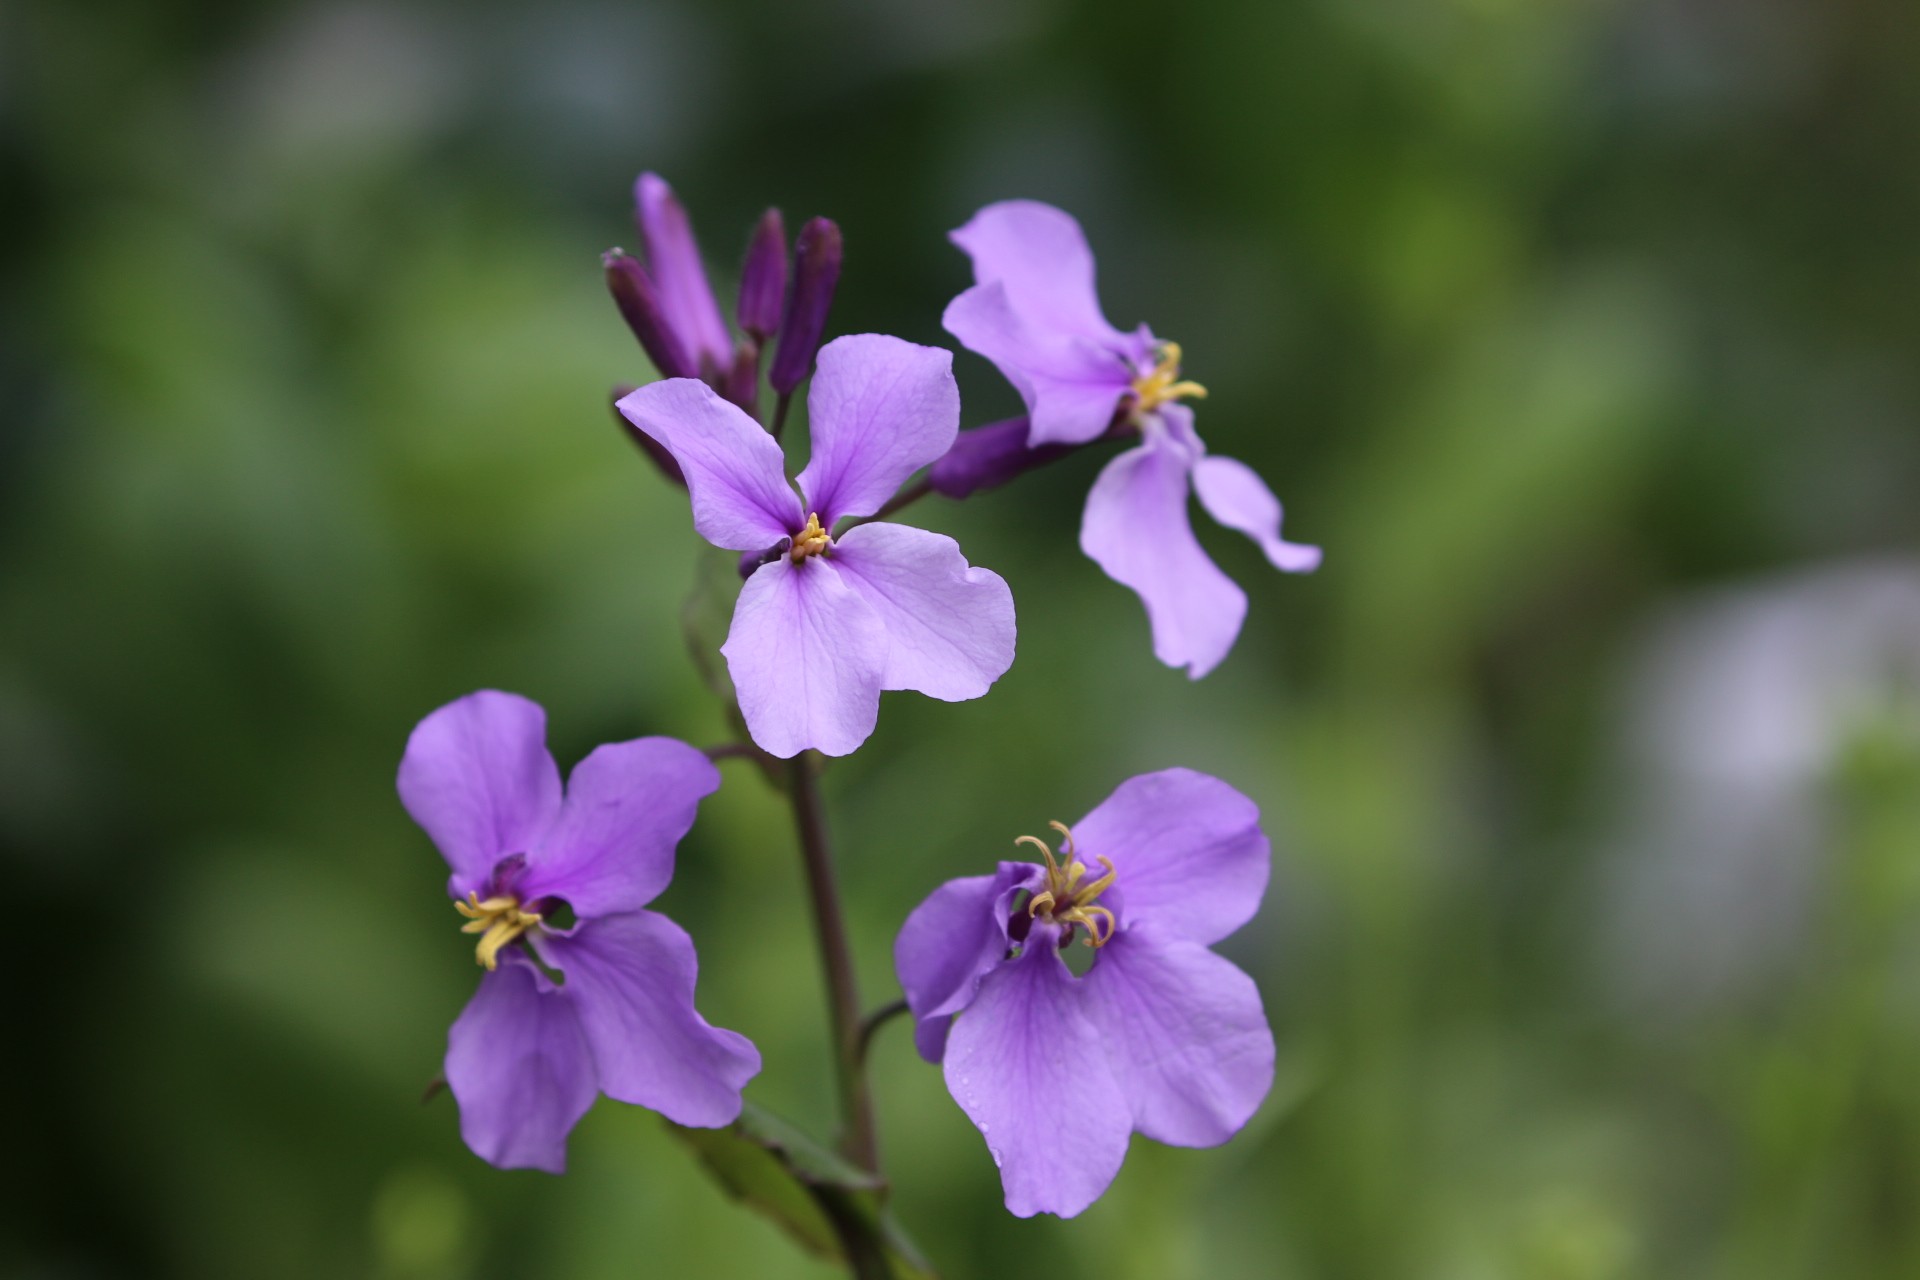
x: 499, y: 920
x: 810, y: 541
x: 1065, y: 900
x: 1162, y: 384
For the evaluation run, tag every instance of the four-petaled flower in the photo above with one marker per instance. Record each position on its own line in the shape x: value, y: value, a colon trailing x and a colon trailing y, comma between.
x: 831, y: 619
x: 527, y: 1056
x: 1033, y: 311
x: 1160, y: 1036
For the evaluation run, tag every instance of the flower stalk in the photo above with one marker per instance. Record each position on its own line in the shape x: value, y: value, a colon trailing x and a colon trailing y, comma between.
x: 858, y: 1141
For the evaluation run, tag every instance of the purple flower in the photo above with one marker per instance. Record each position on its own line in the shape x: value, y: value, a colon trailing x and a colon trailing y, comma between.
x: 527, y: 1056
x: 1161, y: 1036
x: 829, y: 620
x: 1034, y: 313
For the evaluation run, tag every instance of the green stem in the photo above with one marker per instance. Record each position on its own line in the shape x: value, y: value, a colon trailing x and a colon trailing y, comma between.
x: 857, y: 1141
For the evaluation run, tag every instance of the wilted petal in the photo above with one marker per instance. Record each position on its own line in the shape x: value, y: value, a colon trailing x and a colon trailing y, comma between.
x: 1023, y: 1063
x: 1185, y: 1035
x: 1136, y: 528
x: 735, y: 473
x: 880, y: 408
x: 1238, y: 498
x: 631, y: 978
x: 1041, y: 256
x: 949, y: 624
x: 478, y: 779
x: 628, y: 805
x: 519, y: 1066
x: 1188, y: 853
x: 1072, y: 383
x: 806, y: 654
x: 686, y: 297
x: 950, y: 941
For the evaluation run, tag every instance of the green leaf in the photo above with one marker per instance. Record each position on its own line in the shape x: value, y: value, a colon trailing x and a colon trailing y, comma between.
x: 831, y: 1207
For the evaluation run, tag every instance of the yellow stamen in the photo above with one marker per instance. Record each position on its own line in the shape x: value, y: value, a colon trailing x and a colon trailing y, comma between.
x: 1065, y: 900
x: 1161, y: 384
x: 499, y: 920
x: 810, y: 541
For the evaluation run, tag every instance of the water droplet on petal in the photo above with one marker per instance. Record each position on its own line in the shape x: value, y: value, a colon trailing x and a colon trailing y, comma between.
x: 995, y: 1153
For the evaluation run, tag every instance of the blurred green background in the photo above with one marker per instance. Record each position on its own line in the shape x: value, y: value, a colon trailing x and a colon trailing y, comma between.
x: 1581, y: 333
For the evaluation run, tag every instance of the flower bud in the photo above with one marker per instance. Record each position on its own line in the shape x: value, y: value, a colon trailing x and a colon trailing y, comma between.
x: 816, y: 271
x: 763, y: 278
x: 655, y: 451
x: 639, y: 304
x: 987, y: 457
x: 742, y: 382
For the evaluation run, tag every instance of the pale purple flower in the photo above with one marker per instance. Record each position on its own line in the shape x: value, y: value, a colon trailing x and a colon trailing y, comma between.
x: 829, y: 619
x: 1033, y: 311
x: 1161, y: 1036
x: 528, y: 1055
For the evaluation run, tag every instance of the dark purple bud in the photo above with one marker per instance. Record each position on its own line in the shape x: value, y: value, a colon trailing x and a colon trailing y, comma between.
x: 655, y: 451
x: 750, y: 561
x: 639, y: 303
x: 763, y: 278
x: 816, y: 270
x: 987, y: 457
x: 742, y: 383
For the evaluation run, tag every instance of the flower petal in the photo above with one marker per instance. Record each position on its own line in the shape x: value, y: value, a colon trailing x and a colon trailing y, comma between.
x: 1238, y: 498
x: 1040, y: 254
x: 949, y: 625
x: 950, y: 942
x: 631, y: 978
x: 519, y: 1066
x: 628, y: 804
x: 1072, y: 383
x: 477, y: 777
x: 1188, y: 853
x: 806, y: 653
x: 686, y: 297
x: 1185, y: 1035
x: 735, y: 473
x: 1022, y: 1063
x: 880, y: 408
x: 1136, y: 528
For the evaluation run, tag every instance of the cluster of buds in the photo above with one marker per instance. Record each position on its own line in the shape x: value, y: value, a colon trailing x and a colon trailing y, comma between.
x: 668, y: 301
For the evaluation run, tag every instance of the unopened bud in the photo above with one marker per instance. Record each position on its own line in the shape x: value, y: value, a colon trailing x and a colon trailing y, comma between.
x: 816, y: 270
x: 763, y: 278
x: 639, y: 304
x: 987, y: 457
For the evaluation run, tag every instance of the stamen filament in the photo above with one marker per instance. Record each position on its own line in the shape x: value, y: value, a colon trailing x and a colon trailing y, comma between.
x: 499, y: 920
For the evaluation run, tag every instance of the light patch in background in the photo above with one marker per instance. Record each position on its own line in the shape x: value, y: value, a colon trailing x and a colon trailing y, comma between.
x: 339, y: 81
x: 592, y: 84
x: 1739, y: 708
x: 422, y: 1227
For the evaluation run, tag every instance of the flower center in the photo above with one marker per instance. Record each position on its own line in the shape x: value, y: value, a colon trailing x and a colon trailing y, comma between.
x: 810, y: 541
x: 498, y: 921
x: 1066, y: 900
x: 1161, y: 383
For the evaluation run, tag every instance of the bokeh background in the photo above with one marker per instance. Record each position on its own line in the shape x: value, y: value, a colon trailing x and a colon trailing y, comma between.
x: 1581, y: 333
